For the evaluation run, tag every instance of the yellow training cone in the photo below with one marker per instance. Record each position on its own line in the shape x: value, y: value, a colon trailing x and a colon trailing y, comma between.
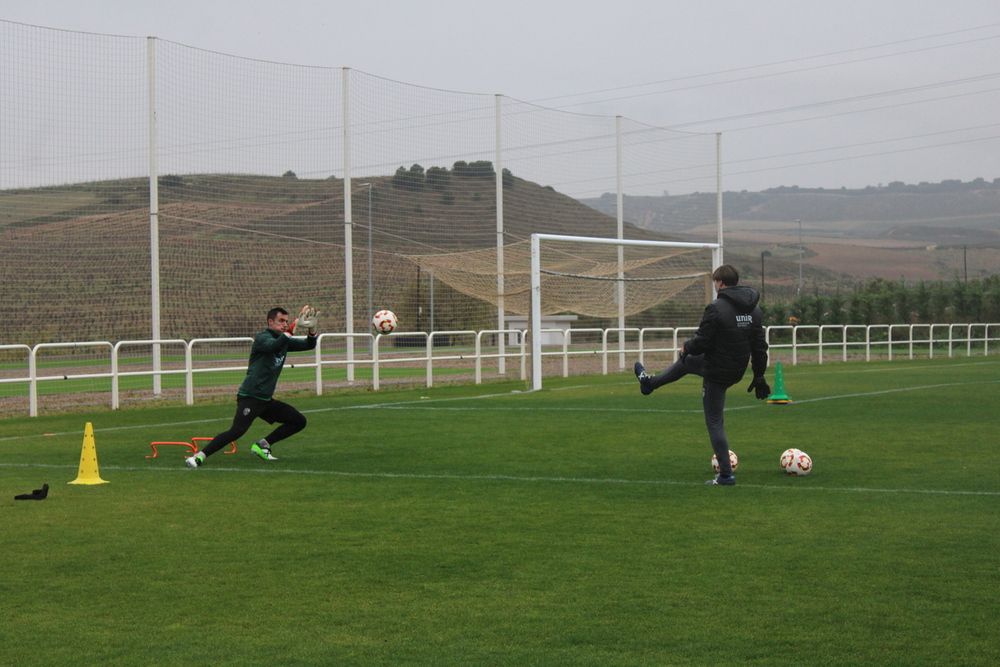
x: 88, y: 460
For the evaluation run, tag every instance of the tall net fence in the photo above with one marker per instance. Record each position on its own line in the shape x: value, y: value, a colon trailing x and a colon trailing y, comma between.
x: 253, y: 184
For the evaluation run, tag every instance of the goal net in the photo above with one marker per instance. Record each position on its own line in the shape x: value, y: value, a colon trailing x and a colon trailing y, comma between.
x: 621, y: 282
x: 596, y: 277
x: 603, y: 278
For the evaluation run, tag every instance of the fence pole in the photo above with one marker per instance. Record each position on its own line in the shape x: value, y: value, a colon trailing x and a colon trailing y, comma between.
x: 536, y: 313
x: 33, y: 382
x: 501, y: 362
x: 154, y: 216
x: 189, y: 374
x: 620, y: 232
x: 348, y: 229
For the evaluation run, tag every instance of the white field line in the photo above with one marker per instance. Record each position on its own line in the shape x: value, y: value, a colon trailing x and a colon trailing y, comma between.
x: 796, y: 371
x: 814, y: 369
x: 424, y: 404
x: 228, y: 418
x: 501, y: 478
x: 418, y: 405
x: 894, y: 391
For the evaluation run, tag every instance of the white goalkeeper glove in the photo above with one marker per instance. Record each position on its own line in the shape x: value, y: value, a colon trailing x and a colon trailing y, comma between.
x: 306, y: 318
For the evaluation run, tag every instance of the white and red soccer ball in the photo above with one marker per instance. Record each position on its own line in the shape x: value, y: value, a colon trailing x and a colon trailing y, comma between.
x: 733, y: 459
x: 796, y: 462
x: 384, y: 322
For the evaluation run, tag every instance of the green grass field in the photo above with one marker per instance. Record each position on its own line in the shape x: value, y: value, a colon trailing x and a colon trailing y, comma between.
x: 492, y: 526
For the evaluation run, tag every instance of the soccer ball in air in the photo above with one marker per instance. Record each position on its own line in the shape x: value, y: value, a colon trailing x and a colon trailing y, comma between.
x: 796, y: 462
x: 733, y: 460
x: 384, y: 321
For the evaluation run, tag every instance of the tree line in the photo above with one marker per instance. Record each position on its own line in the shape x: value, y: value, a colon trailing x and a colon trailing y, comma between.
x: 881, y: 301
x: 439, y: 178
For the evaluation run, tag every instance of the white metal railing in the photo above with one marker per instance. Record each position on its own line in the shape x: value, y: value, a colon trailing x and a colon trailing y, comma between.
x: 883, y: 339
x: 820, y: 342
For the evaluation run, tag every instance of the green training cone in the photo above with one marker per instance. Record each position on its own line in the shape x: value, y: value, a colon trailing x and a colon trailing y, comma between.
x: 778, y: 395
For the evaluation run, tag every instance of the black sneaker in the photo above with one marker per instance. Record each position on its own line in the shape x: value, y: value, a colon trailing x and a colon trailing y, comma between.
x: 645, y: 381
x: 723, y: 481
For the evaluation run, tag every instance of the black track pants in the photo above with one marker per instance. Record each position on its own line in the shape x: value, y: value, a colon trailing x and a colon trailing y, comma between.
x: 247, y: 410
x: 713, y: 401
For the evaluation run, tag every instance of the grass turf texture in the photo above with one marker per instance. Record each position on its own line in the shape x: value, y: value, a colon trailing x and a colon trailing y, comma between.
x: 465, y: 525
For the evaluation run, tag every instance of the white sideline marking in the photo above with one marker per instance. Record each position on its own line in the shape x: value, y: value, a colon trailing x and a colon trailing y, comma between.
x: 373, y: 406
x: 504, y: 478
x: 423, y: 404
x: 415, y: 405
x: 549, y: 409
x: 894, y: 391
x: 899, y: 369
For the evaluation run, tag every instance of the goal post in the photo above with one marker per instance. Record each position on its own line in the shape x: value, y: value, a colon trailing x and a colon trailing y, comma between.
x: 535, y: 320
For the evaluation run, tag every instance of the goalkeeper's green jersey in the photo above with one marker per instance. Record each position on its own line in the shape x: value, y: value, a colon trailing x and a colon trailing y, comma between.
x: 267, y: 358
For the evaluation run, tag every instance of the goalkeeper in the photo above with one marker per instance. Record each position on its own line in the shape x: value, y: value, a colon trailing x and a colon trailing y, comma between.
x: 729, y: 337
x: 255, y: 396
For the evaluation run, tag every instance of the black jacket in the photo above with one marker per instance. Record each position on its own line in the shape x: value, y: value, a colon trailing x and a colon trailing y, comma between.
x: 730, y: 334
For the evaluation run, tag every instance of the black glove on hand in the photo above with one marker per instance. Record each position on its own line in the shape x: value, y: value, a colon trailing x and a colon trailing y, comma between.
x: 759, y: 384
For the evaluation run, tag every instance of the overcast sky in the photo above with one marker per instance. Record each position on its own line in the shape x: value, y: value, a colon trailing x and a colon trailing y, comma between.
x: 839, y: 93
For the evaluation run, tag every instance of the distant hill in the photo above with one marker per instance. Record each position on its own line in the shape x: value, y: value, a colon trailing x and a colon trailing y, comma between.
x: 457, y: 214
x: 930, y: 231
x: 76, y: 258
x: 950, y: 212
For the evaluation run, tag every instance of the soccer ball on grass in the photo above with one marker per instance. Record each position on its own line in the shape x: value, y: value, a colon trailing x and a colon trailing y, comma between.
x: 733, y: 460
x: 796, y: 462
x: 384, y: 321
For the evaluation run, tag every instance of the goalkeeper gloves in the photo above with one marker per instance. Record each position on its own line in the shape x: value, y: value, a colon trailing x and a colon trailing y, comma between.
x: 759, y: 384
x: 306, y: 318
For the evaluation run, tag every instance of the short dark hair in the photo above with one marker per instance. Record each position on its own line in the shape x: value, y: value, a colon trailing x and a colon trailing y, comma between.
x: 273, y: 313
x: 728, y: 274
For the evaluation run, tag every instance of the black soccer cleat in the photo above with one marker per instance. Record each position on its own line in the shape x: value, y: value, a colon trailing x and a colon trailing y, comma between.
x: 645, y: 381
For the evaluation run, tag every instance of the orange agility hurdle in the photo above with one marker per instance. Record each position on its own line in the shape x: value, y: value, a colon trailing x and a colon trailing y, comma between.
x: 154, y: 445
x: 192, y: 447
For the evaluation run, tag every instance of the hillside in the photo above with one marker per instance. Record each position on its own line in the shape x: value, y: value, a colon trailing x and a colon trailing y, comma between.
x: 230, y: 247
x: 76, y: 258
x: 457, y: 215
x: 941, y: 212
x: 909, y: 232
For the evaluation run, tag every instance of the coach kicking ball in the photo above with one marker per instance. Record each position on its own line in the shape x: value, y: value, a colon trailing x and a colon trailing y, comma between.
x: 729, y: 337
x: 255, y: 396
